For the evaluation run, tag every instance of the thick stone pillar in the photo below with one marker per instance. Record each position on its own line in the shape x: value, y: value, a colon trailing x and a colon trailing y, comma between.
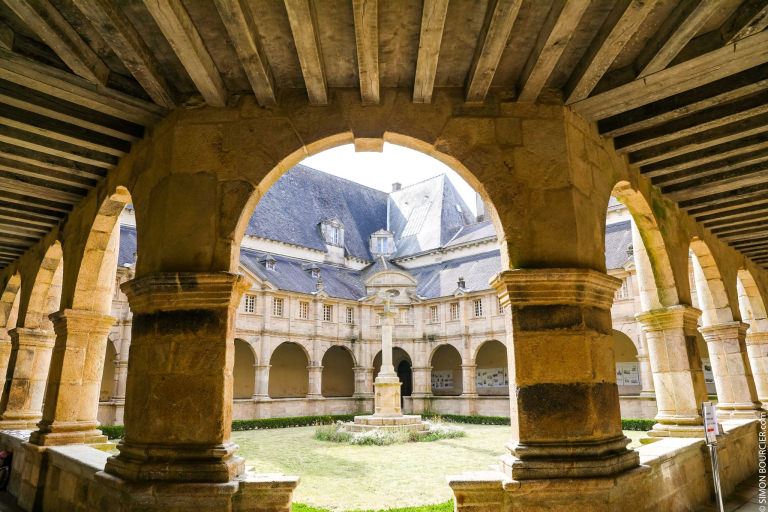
x: 21, y: 406
x: 646, y: 375
x: 469, y: 380
x: 422, y: 389
x: 757, y: 348
x: 261, y: 386
x: 121, y: 375
x: 676, y: 365
x: 178, y: 409
x: 315, y: 389
x: 736, y: 393
x: 565, y: 405
x: 363, y: 381
x: 77, y: 364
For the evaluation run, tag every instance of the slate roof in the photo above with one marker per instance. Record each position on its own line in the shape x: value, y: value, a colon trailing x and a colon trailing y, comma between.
x: 472, y: 233
x: 618, y: 238
x: 441, y: 279
x: 127, y: 252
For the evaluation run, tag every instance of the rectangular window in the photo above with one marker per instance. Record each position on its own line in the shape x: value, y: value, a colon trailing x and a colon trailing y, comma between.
x: 334, y: 232
x: 478, y: 303
x: 277, y: 306
x: 433, y: 315
x: 327, y: 313
x: 623, y: 291
x: 501, y: 307
x: 350, y: 315
x: 454, y: 310
x: 382, y: 248
x: 250, y: 304
x: 405, y: 315
x: 304, y: 310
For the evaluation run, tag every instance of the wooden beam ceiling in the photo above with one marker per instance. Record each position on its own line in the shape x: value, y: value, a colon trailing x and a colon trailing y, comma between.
x: 301, y: 15
x: 431, y: 37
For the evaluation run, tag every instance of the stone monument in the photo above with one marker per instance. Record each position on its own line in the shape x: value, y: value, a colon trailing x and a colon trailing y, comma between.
x: 387, y: 411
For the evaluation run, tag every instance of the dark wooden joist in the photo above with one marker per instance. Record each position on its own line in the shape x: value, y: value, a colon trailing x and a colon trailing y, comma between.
x: 750, y: 192
x: 432, y: 24
x: 365, y: 16
x: 499, y: 19
x: 724, y: 62
x: 713, y: 137
x: 62, y: 85
x: 49, y: 25
x: 39, y: 191
x: 35, y: 142
x: 17, y: 205
x: 50, y: 175
x: 617, y: 30
x: 750, y: 18
x: 51, y: 162
x: 174, y: 22
x: 125, y: 41
x: 725, y: 207
x: 729, y: 180
x: 302, y: 18
x: 718, y: 166
x: 558, y: 30
x: 760, y: 234
x: 239, y: 23
x: 745, y: 227
x: 734, y: 219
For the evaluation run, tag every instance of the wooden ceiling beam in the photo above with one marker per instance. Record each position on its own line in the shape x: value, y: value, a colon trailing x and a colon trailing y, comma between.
x: 39, y: 143
x: 51, y: 162
x: 174, y: 22
x: 727, y: 207
x: 431, y: 37
x: 741, y: 194
x: 620, y: 26
x: 499, y: 19
x: 750, y: 18
x: 755, y: 142
x: 726, y: 164
x: 49, y: 25
x: 365, y: 15
x: 735, y: 217
x: 38, y: 191
x: 741, y: 177
x: 554, y: 36
x: 117, y: 30
x: 25, y: 220
x: 302, y: 18
x: 239, y: 23
x: 33, y: 171
x: 742, y: 55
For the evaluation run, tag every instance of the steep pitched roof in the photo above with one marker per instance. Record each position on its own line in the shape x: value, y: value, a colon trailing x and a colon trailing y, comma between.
x: 440, y: 279
x: 127, y: 252
x: 473, y: 232
x: 303, y: 197
x: 618, y: 238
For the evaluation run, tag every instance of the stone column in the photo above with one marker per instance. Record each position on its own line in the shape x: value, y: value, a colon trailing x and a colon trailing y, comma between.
x: 77, y: 364
x: 178, y: 408
x: 315, y: 381
x: 121, y: 375
x: 261, y: 386
x: 21, y: 406
x: 757, y: 348
x: 565, y: 411
x: 646, y: 375
x: 676, y: 365
x: 387, y: 384
x: 422, y: 389
x: 469, y: 380
x: 736, y: 393
x: 363, y: 381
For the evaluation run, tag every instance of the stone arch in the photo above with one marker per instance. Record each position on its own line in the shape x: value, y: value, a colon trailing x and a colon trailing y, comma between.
x: 338, y: 372
x: 751, y: 303
x: 710, y: 290
x: 492, y: 368
x: 627, y: 364
x: 93, y: 287
x: 403, y: 364
x: 446, y: 362
x: 43, y: 296
x: 663, y: 290
x: 108, y: 375
x: 289, y: 373
x: 9, y: 304
x: 244, y: 371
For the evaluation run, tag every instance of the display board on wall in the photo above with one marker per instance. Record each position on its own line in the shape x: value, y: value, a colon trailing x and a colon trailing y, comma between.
x: 706, y: 367
x: 627, y: 374
x: 442, y: 379
x: 492, y: 378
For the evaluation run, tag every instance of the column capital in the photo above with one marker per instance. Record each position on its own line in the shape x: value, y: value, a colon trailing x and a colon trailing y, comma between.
x: 680, y: 316
x: 553, y: 286
x: 724, y: 331
x: 169, y: 291
x: 81, y: 322
x: 757, y: 338
x: 32, y: 337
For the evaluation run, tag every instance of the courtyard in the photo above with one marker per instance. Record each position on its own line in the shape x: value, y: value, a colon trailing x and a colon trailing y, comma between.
x: 343, y: 477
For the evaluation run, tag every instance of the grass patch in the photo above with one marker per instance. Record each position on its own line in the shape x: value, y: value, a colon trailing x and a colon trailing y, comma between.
x: 339, y: 433
x: 440, y: 507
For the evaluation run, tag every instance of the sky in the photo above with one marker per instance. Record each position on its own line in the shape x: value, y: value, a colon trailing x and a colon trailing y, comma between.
x: 381, y: 170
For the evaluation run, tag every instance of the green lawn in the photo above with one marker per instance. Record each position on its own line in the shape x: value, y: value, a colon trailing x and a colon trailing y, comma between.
x: 348, y: 477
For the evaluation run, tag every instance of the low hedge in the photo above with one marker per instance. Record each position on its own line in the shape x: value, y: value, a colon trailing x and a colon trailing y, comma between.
x: 446, y: 506
x: 118, y: 431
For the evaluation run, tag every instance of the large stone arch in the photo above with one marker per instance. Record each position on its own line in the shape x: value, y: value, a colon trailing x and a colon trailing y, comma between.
x: 244, y: 371
x: 710, y: 291
x: 43, y: 294
x: 491, y: 361
x: 751, y: 304
x: 9, y: 304
x: 288, y: 373
x: 338, y: 372
x: 446, y: 362
x: 662, y: 291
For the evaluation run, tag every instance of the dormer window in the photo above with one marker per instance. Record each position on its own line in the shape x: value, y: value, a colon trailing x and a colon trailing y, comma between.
x: 269, y: 263
x: 382, y: 242
x: 381, y: 245
x: 315, y: 272
x: 333, y: 232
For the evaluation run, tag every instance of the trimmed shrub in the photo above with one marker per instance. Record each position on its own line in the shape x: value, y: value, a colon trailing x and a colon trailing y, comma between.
x: 640, y: 424
x: 113, y: 431
x: 440, y: 507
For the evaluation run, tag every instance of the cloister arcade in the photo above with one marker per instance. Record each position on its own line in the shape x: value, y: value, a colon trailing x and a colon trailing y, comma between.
x: 545, y: 176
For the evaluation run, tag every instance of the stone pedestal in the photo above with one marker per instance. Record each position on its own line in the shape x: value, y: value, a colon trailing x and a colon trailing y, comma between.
x: 736, y: 394
x: 757, y: 349
x: 21, y: 406
x: 77, y: 364
x: 178, y: 409
x: 564, y: 413
x: 676, y: 366
x: 363, y: 382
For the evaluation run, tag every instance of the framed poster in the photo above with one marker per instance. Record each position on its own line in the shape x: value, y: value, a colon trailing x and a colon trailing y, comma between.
x: 706, y: 366
x: 442, y: 379
x: 492, y: 378
x: 627, y: 374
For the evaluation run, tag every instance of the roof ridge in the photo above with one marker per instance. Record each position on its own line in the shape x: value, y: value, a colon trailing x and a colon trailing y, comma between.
x: 308, y: 168
x: 441, y: 175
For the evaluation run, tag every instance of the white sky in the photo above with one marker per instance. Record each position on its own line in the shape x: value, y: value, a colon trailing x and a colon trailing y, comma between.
x: 381, y: 170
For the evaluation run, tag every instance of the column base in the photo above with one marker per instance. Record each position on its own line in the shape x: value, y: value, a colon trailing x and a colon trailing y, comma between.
x: 650, y: 395
x: 250, y: 492
x: 60, y: 433
x: 387, y: 400
x: 735, y: 411
x: 180, y: 463
x: 13, y: 420
x: 572, y: 460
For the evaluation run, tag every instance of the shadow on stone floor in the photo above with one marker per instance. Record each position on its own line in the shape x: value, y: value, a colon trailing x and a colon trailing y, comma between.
x: 745, y: 498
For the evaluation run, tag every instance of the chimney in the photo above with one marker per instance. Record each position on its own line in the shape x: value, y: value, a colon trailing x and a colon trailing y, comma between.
x: 480, y: 206
x: 461, y: 283
x: 396, y: 186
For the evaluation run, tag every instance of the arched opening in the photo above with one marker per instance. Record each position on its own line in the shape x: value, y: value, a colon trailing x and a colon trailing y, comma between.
x: 338, y: 374
x: 751, y: 305
x: 627, y: 364
x: 9, y: 304
x: 288, y: 373
x: 108, y: 375
x: 243, y: 373
x: 446, y: 371
x: 401, y: 361
x: 44, y: 295
x: 710, y: 295
x: 492, y: 373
